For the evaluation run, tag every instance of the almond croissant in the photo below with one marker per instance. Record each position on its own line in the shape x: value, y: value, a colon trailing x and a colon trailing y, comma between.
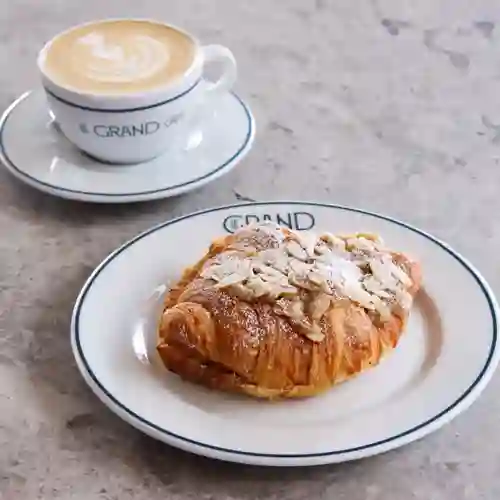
x: 275, y: 313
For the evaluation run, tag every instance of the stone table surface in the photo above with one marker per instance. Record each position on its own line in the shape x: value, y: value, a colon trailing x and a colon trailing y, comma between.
x: 389, y: 105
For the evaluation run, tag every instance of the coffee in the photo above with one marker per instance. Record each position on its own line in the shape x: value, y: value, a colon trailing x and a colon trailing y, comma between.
x: 119, y: 57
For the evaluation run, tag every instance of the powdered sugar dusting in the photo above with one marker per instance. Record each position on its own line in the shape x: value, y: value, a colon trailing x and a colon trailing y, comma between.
x: 267, y: 261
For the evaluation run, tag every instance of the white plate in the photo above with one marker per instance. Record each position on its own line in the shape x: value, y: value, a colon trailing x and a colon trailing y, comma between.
x: 445, y: 359
x: 33, y: 149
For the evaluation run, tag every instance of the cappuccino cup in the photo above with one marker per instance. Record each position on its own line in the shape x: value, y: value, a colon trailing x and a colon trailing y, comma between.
x: 126, y: 90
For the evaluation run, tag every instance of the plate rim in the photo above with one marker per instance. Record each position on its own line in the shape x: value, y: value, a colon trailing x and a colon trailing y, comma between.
x: 459, y: 405
x: 90, y: 196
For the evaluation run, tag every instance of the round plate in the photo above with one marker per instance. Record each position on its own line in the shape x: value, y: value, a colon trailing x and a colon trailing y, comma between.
x: 436, y: 372
x: 34, y: 150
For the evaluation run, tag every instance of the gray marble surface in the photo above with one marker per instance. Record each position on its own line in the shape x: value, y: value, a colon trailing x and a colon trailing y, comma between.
x: 389, y: 105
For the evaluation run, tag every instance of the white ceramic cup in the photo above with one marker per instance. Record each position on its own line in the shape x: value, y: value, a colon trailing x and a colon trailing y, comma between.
x: 135, y: 127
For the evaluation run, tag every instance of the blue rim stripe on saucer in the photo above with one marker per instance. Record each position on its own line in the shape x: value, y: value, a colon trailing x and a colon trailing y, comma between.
x: 4, y: 156
x: 490, y: 362
x: 126, y: 110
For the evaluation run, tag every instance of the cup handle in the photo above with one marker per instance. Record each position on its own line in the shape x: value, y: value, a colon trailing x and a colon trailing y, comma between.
x: 210, y: 89
x: 218, y: 53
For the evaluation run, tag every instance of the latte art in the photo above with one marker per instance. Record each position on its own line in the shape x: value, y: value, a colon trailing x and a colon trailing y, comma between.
x: 136, y: 58
x: 122, y: 56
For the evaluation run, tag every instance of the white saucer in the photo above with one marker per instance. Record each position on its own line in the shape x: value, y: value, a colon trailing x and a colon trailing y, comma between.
x: 444, y: 361
x: 33, y: 149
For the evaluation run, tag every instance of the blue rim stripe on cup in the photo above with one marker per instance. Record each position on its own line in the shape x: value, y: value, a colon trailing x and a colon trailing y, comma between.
x: 124, y: 110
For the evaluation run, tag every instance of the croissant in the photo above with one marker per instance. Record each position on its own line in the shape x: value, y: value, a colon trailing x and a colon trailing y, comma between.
x: 273, y: 313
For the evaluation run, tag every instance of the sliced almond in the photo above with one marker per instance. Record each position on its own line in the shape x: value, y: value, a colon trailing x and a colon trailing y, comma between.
x: 285, y: 291
x: 361, y: 245
x: 269, y: 272
x: 333, y: 241
x: 242, y: 292
x: 317, y: 278
x: 295, y: 250
x: 300, y: 268
x: 308, y: 242
x: 230, y: 280
x: 315, y: 334
x: 275, y: 258
x: 382, y: 272
x: 258, y: 287
x: 397, y: 272
x: 404, y: 299
x: 319, y: 306
x: 297, y: 310
x: 325, y: 257
x: 372, y: 285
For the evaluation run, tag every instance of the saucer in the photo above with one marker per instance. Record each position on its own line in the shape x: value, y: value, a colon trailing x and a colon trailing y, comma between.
x: 34, y: 150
